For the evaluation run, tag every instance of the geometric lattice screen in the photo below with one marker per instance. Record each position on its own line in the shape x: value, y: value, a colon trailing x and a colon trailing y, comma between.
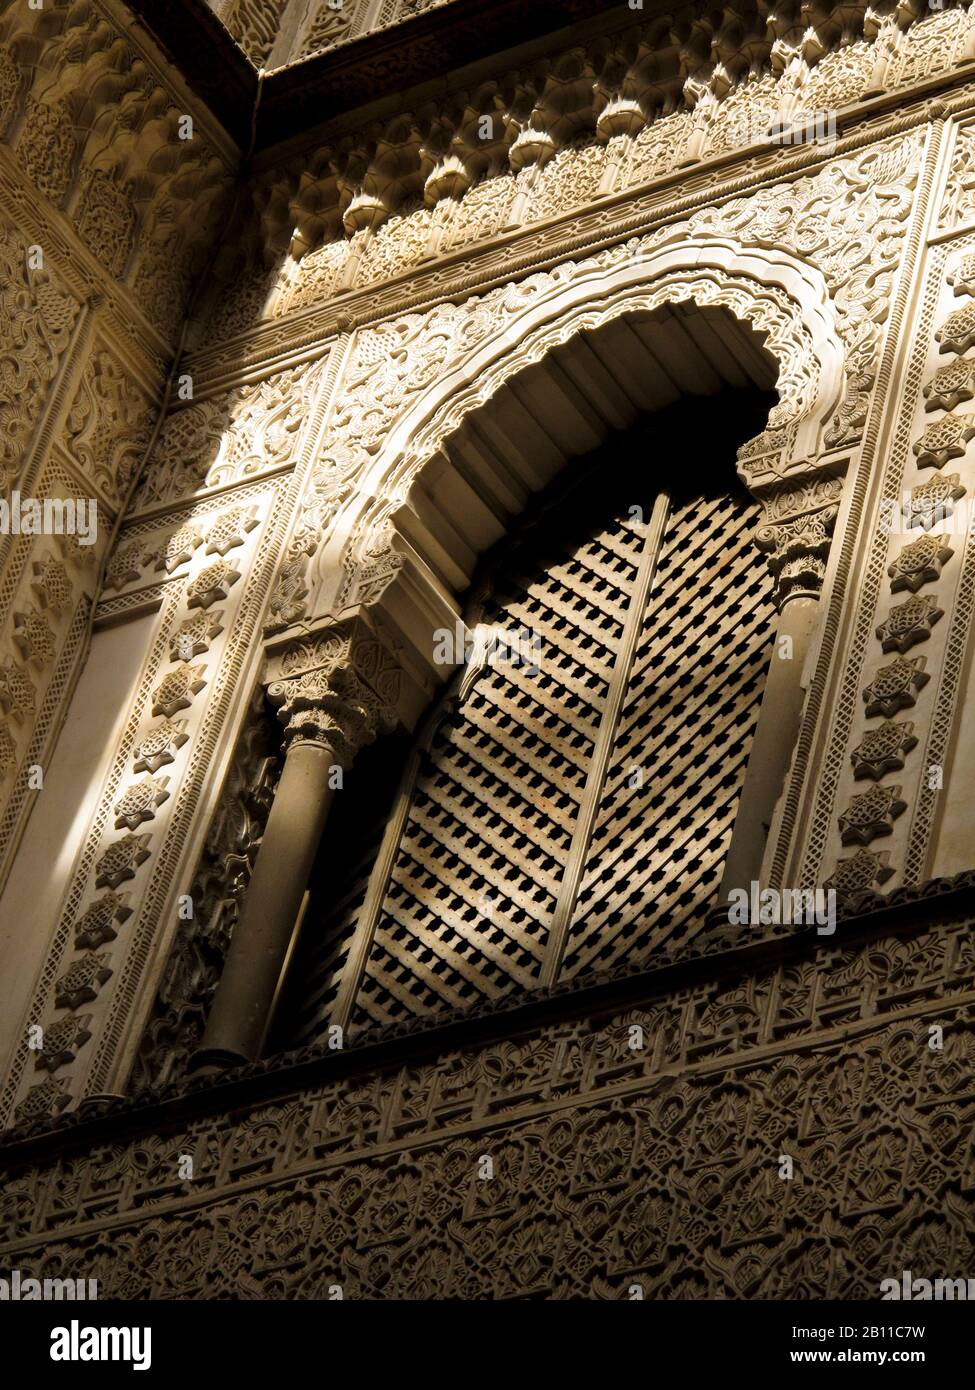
x: 562, y: 820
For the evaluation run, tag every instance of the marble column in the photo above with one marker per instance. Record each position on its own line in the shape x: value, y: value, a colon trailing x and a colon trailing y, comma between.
x: 797, y: 546
x: 329, y: 712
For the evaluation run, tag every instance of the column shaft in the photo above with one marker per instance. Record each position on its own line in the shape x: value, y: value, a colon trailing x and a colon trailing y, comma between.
x: 241, y: 1008
x: 772, y: 747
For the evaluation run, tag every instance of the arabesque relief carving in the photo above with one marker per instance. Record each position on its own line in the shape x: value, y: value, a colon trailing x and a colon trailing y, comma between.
x: 625, y: 1147
x: 353, y: 293
x: 590, y: 121
x: 822, y: 218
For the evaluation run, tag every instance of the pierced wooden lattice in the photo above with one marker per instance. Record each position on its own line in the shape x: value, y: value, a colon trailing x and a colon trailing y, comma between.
x: 671, y: 793
x: 477, y: 877
x: 569, y: 820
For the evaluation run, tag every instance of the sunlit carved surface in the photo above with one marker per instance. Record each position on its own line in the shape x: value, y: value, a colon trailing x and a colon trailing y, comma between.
x: 341, y: 344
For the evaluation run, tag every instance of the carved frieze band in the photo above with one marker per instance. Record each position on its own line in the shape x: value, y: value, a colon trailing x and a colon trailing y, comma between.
x: 370, y: 1180
x: 527, y: 146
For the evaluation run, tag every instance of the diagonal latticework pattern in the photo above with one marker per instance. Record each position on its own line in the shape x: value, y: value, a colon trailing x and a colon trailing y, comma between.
x: 671, y: 793
x: 567, y: 810
x: 475, y: 882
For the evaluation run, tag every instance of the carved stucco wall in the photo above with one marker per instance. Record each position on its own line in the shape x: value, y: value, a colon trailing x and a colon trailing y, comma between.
x: 615, y: 1164
x: 109, y: 950
x: 528, y: 144
x: 199, y: 549
x: 360, y: 389
x: 275, y: 32
x: 139, y: 854
x: 306, y: 391
x: 107, y: 214
x: 91, y: 242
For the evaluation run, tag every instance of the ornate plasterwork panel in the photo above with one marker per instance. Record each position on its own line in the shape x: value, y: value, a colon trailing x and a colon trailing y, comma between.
x: 203, y: 565
x: 254, y: 24
x: 932, y: 44
x: 37, y: 316
x: 136, y: 808
x: 47, y: 591
x: 608, y: 1158
x: 321, y: 24
x: 227, y: 438
x: 108, y: 427
x: 957, y: 205
x: 97, y: 136
x: 590, y: 122
x: 800, y: 383
x: 913, y: 620
x: 847, y: 220
x: 90, y: 162
x: 329, y: 24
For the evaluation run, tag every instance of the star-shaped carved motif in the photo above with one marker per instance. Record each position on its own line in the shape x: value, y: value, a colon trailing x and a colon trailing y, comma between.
x: 121, y: 859
x: 871, y: 814
x: 194, y: 635
x: 51, y: 583
x: 176, y: 690
x: 125, y: 565
x: 951, y: 385
x: 34, y: 637
x: 72, y: 548
x: 160, y: 745
x: 957, y: 333
x: 177, y: 549
x: 17, y: 694
x: 962, y: 278
x: 861, y: 873
x: 97, y: 924
x: 230, y: 530
x: 933, y: 501
x: 140, y: 802
x: 909, y: 623
x: 62, y: 1042
x: 49, y: 1098
x: 82, y: 980
x: 895, y: 686
x: 919, y: 563
x: 8, y: 750
x: 211, y: 584
x: 945, y: 439
x: 883, y: 749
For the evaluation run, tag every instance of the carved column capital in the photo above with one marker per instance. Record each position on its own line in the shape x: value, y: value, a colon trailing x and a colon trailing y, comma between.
x: 338, y: 687
x: 797, y: 552
x: 333, y: 709
x: 796, y: 533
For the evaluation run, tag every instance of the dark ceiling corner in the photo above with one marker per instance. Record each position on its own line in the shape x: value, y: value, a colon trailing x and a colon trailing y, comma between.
x: 425, y: 48
x: 298, y: 99
x: 215, y: 69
